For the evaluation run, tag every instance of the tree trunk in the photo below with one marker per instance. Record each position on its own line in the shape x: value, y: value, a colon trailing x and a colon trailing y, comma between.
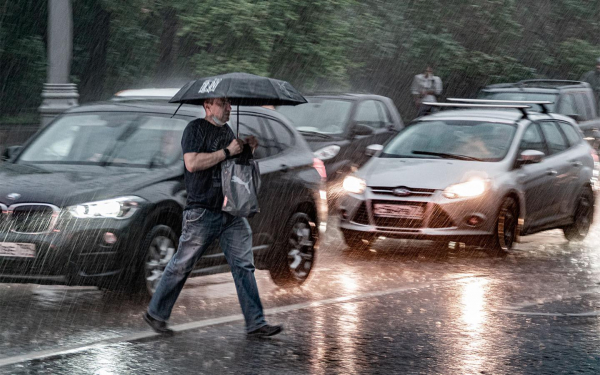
x: 166, y: 60
x: 94, y: 73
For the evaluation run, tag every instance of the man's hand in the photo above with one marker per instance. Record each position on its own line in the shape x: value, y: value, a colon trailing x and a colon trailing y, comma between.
x: 235, y: 147
x: 252, y: 141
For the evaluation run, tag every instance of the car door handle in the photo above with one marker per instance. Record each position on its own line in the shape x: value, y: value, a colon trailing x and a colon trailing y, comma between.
x: 551, y: 172
x: 284, y: 168
x: 576, y: 163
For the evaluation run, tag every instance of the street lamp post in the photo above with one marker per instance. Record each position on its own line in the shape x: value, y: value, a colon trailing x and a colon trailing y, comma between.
x: 58, y: 94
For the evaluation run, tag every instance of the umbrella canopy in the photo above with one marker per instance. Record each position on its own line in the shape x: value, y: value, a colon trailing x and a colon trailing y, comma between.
x: 240, y: 89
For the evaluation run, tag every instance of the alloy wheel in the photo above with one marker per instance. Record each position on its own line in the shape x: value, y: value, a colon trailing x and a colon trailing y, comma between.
x: 301, y: 250
x: 159, y: 254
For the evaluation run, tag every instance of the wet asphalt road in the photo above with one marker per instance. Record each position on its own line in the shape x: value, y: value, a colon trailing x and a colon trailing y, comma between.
x: 403, y: 307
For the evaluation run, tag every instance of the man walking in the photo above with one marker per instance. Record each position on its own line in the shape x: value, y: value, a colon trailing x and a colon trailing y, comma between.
x: 206, y: 143
x: 593, y: 78
x: 426, y: 88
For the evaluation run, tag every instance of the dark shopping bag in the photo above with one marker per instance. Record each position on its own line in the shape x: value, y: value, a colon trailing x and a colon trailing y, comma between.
x: 240, y: 179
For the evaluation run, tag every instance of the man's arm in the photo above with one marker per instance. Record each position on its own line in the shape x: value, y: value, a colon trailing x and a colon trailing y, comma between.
x: 438, y: 86
x: 199, y: 161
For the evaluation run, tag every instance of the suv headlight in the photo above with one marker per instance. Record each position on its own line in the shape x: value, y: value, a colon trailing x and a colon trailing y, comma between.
x: 117, y: 208
x: 327, y: 153
x: 354, y: 184
x: 470, y: 189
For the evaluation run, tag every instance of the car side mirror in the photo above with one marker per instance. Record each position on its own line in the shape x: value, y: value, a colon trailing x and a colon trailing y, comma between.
x: 373, y: 150
x: 10, y: 152
x: 360, y: 129
x: 575, y: 117
x: 530, y: 157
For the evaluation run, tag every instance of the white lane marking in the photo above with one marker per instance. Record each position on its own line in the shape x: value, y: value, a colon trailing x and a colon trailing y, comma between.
x: 534, y: 313
x: 37, y: 355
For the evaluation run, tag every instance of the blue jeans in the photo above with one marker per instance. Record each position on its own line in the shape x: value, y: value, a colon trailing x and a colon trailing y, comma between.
x: 200, y: 229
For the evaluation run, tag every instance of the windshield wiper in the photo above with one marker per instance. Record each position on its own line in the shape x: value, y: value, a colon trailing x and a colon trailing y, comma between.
x: 447, y: 156
x: 308, y: 132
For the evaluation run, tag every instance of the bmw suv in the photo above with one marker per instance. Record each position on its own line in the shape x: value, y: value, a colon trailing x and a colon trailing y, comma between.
x: 96, y: 198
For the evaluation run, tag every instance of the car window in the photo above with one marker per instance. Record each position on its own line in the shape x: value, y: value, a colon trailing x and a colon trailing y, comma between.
x: 369, y: 113
x: 452, y: 139
x: 532, y: 140
x: 554, y: 138
x: 580, y: 104
x: 117, y: 138
x: 251, y: 125
x: 567, y: 105
x: 522, y: 95
x: 571, y: 133
x: 319, y: 115
x: 385, y: 115
x: 280, y: 133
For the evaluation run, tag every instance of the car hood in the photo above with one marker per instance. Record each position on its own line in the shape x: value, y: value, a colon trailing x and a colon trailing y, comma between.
x: 424, y: 173
x: 64, y: 185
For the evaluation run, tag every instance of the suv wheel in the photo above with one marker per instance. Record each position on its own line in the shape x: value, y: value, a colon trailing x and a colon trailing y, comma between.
x: 506, y: 226
x: 159, y: 246
x: 357, y: 242
x: 295, y: 254
x: 582, y: 219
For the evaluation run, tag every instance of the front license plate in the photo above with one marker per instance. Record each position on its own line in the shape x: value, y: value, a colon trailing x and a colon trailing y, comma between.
x: 16, y: 249
x: 398, y: 211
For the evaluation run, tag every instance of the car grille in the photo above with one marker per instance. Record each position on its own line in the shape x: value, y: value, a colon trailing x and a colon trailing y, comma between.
x: 412, y: 192
x: 361, y: 216
x: 440, y: 219
x: 28, y: 218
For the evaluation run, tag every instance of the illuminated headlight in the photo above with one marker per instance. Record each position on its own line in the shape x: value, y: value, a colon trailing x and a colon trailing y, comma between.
x: 327, y: 153
x: 354, y: 184
x: 118, y: 208
x: 470, y: 189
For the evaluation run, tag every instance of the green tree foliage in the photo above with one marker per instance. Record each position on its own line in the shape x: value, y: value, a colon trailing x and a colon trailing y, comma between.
x: 363, y: 45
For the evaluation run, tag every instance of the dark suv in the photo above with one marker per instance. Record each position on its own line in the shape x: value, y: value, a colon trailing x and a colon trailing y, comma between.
x: 96, y: 198
x: 339, y: 127
x: 571, y: 98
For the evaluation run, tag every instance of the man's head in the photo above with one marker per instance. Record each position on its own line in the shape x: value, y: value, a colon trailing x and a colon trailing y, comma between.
x: 217, y: 110
x: 429, y: 70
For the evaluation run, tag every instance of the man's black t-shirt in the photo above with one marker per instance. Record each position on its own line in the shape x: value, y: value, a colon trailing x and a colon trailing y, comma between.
x: 204, y: 187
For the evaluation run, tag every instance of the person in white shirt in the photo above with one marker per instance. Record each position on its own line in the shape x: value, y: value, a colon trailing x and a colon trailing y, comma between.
x: 426, y: 88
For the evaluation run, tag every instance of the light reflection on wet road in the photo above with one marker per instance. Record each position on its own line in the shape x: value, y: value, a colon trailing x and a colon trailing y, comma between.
x: 410, y: 309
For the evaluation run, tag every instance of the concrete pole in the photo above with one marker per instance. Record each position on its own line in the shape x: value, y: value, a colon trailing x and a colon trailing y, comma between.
x: 59, y: 94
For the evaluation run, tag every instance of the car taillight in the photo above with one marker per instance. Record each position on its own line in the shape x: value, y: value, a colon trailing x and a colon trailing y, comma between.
x: 320, y: 167
x: 595, y: 156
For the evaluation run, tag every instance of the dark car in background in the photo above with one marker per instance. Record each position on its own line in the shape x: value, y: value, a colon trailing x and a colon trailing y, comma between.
x: 339, y: 127
x: 96, y: 198
x: 570, y: 98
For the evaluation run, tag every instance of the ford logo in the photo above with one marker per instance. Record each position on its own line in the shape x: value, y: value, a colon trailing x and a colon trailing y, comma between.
x: 13, y: 196
x: 402, y: 192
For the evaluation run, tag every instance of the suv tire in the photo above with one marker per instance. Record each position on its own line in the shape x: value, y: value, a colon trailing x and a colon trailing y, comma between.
x: 295, y: 252
x: 158, y: 247
x: 582, y: 218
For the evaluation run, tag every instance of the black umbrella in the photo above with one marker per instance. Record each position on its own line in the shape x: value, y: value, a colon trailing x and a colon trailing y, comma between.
x: 240, y: 89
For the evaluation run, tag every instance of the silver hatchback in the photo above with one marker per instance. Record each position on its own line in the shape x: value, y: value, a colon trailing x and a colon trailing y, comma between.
x: 476, y: 176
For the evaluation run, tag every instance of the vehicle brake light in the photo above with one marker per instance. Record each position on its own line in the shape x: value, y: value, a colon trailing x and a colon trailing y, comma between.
x: 595, y: 156
x: 320, y: 167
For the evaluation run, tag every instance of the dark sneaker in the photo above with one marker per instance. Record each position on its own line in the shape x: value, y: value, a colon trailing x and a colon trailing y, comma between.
x: 157, y: 325
x: 266, y: 331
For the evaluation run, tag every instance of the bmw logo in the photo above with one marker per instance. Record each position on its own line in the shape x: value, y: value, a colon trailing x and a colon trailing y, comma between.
x: 13, y: 196
x: 402, y: 192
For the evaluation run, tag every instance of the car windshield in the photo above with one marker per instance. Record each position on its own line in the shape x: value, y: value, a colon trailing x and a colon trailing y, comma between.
x: 319, y: 115
x: 457, y: 139
x: 521, y: 96
x: 122, y: 139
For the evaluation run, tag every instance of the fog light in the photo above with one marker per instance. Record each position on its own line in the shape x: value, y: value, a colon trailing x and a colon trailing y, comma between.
x: 344, y: 214
x: 110, y: 238
x: 474, y: 221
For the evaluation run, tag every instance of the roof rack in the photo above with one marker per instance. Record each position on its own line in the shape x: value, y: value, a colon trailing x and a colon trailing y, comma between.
x: 542, y: 103
x: 520, y: 107
x: 550, y: 82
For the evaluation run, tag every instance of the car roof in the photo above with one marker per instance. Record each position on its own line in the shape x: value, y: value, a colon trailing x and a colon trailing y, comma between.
x: 147, y: 94
x: 186, y: 110
x: 505, y: 116
x: 345, y: 95
x: 537, y: 85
